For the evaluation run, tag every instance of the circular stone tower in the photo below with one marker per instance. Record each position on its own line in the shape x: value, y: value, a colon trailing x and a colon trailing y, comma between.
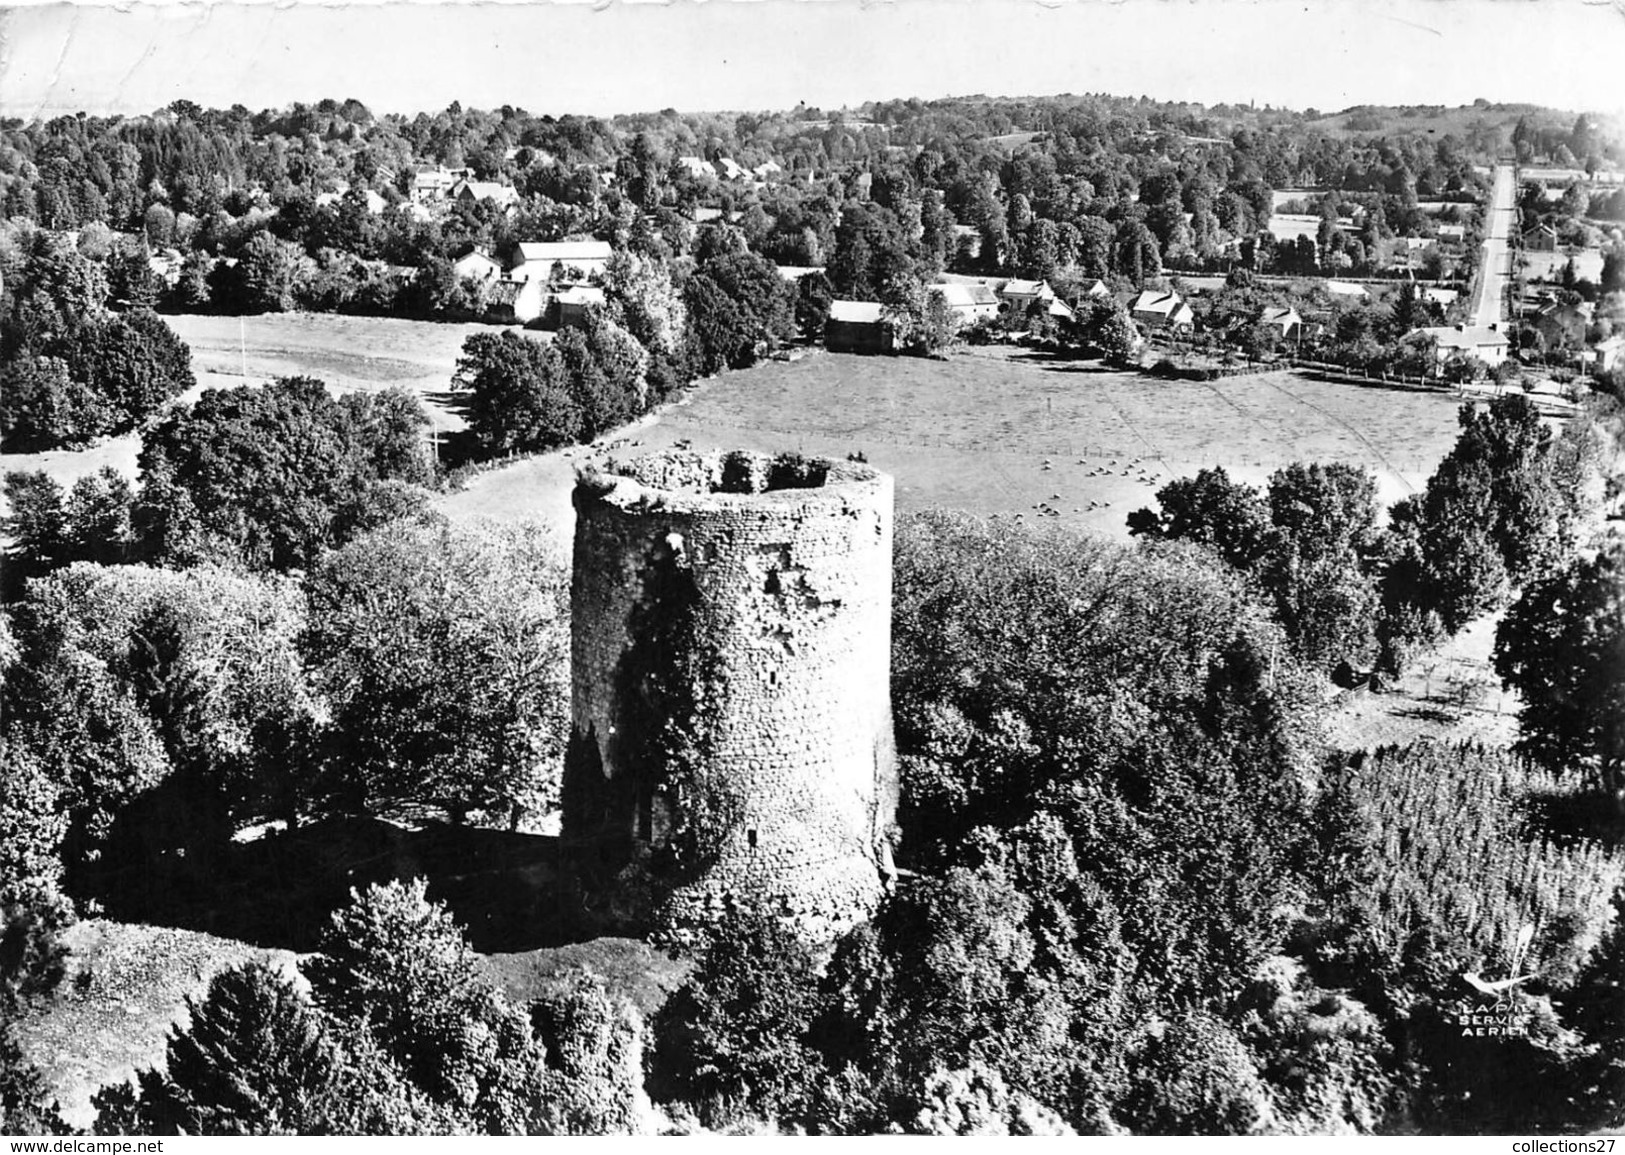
x: 731, y: 742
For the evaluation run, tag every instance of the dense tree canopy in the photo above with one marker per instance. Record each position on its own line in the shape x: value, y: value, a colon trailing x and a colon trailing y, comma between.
x: 273, y: 476
x: 441, y: 652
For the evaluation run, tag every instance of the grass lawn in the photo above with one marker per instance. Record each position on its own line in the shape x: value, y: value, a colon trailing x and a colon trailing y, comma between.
x: 125, y: 986
x: 1000, y: 431
x: 348, y: 353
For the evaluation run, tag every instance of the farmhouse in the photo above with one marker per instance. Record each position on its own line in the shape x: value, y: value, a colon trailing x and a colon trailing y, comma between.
x: 969, y: 303
x: 1608, y: 354
x: 858, y: 327
x: 518, y: 301
x: 476, y: 265
x: 506, y: 196
x: 1161, y: 310
x: 433, y: 184
x: 1018, y: 295
x: 1563, y: 322
x: 575, y: 302
x: 1486, y: 342
x: 695, y: 167
x: 536, y: 261
x: 1541, y: 238
x: 1286, y: 320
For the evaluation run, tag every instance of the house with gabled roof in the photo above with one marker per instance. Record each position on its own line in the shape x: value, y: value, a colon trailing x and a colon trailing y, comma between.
x: 858, y: 327
x: 1161, y: 309
x: 695, y: 167
x: 1018, y: 295
x: 575, y: 302
x: 969, y: 303
x: 433, y: 184
x: 477, y: 265
x: 517, y: 301
x: 1540, y: 238
x: 478, y: 190
x: 1285, y: 319
x: 1486, y: 342
x: 538, y: 259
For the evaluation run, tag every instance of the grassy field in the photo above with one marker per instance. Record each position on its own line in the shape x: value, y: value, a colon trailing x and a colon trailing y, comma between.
x: 125, y: 986
x: 348, y: 353
x: 1001, y: 432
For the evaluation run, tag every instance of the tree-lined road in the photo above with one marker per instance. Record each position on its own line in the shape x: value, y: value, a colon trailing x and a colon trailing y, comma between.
x: 1500, y: 218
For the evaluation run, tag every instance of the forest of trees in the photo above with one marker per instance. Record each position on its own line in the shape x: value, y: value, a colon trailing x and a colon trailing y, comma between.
x: 269, y: 211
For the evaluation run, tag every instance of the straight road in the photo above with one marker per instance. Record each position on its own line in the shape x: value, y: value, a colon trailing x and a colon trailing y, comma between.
x: 1496, y: 258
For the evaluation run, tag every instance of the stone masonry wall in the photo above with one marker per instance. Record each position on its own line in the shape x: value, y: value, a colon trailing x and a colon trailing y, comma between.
x: 788, y: 565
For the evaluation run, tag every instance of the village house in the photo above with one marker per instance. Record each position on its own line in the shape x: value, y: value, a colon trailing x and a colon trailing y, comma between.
x: 969, y: 303
x: 505, y: 196
x: 434, y: 184
x: 1157, y: 309
x: 1608, y: 354
x: 1348, y: 289
x: 858, y: 327
x: 477, y: 265
x: 1443, y: 298
x: 695, y: 167
x: 1541, y: 238
x: 730, y: 169
x: 520, y: 302
x: 1286, y: 320
x: 1454, y: 234
x: 534, y: 260
x: 1018, y: 295
x: 575, y: 302
x: 1096, y: 290
x: 1486, y: 342
x: 1563, y: 323
x: 767, y: 169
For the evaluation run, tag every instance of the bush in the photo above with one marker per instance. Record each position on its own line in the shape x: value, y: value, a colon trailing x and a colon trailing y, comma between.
x: 729, y: 1041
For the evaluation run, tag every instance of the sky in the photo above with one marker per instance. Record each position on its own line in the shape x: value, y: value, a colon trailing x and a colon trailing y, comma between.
x: 615, y: 56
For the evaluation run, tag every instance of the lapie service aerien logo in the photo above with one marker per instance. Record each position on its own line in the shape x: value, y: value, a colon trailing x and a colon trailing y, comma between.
x: 1498, y: 1013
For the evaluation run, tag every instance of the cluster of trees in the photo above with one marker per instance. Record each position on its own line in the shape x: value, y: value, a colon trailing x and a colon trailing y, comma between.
x: 1310, y: 543
x: 1136, y: 898
x: 396, y: 1031
x: 1502, y: 510
x: 1101, y: 187
x: 419, y: 666
x: 1139, y: 901
x: 262, y: 477
x: 1447, y: 876
x: 656, y: 334
x: 71, y: 369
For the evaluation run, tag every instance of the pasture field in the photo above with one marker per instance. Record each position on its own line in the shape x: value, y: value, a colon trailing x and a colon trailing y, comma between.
x: 370, y: 353
x: 348, y: 353
x: 1004, y: 432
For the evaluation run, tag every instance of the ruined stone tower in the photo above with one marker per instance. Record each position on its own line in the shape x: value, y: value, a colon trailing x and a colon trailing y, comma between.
x: 732, y: 736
